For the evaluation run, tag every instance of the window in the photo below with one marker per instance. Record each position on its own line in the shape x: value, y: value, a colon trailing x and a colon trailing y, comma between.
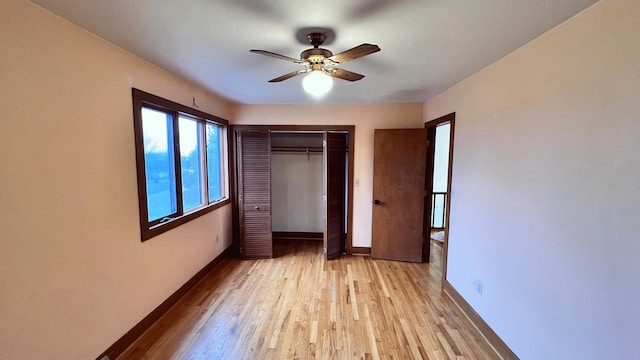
x: 182, y: 160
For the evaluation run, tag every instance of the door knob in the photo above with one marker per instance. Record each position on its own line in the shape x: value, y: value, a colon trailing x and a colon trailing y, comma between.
x: 257, y: 207
x: 376, y: 202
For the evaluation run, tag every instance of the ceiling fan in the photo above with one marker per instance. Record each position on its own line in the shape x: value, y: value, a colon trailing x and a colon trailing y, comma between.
x: 319, y: 61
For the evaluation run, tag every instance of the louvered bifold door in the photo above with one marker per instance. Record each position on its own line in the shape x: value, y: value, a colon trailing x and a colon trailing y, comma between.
x: 254, y: 196
x: 335, y: 145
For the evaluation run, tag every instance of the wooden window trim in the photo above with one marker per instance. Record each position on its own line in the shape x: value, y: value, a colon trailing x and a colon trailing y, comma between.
x: 141, y: 98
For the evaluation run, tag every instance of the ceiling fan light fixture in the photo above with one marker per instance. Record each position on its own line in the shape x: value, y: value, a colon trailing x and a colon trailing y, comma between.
x: 321, y: 65
x: 317, y: 83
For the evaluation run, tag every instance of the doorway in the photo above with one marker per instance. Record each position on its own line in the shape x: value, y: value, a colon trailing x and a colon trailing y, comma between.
x: 305, y: 174
x: 440, y: 133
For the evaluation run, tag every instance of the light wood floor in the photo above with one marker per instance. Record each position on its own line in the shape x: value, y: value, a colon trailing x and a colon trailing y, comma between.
x: 299, y: 306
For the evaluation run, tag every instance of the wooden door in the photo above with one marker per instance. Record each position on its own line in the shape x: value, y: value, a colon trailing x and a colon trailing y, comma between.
x: 398, y: 193
x: 335, y: 145
x: 254, y: 194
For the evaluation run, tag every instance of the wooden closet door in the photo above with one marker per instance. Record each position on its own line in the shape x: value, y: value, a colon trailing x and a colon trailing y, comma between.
x: 254, y: 195
x: 335, y: 145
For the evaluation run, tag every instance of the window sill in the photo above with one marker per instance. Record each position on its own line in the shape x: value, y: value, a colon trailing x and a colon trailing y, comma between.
x: 158, y: 229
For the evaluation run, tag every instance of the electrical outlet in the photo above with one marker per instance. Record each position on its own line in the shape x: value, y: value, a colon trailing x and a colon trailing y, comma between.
x: 478, y: 286
x: 357, y: 182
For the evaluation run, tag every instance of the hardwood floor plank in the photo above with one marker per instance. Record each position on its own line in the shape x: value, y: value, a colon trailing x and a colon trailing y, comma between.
x: 451, y: 355
x: 299, y: 306
x: 313, y: 337
x: 430, y: 346
x: 352, y: 294
x: 413, y: 346
x: 373, y: 341
x: 380, y: 279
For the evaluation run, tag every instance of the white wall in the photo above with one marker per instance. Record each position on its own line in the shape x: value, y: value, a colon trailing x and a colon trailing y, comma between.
x: 74, y: 276
x: 546, y: 189
x: 296, y: 192
x: 366, y: 118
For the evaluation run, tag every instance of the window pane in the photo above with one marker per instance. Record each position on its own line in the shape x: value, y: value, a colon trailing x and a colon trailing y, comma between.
x: 159, y: 163
x: 213, y: 162
x: 191, y: 163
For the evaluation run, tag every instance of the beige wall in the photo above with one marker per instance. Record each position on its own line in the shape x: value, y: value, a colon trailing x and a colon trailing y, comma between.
x: 366, y: 118
x: 74, y: 276
x: 545, y: 206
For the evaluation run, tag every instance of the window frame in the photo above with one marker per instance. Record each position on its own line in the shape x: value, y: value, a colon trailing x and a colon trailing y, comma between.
x: 150, y: 229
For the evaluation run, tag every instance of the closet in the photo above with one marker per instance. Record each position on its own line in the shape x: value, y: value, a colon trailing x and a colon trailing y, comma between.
x: 297, y: 185
x: 292, y: 184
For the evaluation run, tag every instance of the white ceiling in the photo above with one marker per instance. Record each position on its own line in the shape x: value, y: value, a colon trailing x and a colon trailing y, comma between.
x: 427, y: 45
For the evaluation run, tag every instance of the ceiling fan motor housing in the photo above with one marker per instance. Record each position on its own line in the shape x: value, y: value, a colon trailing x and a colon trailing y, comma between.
x: 316, y: 39
x: 315, y: 55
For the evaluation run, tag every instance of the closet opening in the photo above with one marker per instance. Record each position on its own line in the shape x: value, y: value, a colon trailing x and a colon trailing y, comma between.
x: 297, y: 190
x: 293, y: 186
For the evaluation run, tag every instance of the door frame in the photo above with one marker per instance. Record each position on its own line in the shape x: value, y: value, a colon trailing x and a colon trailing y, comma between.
x: 350, y: 130
x: 432, y: 124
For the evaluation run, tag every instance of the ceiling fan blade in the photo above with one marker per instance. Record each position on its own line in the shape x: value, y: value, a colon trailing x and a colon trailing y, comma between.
x: 354, y: 53
x: 277, y: 56
x: 289, y: 75
x: 345, y: 74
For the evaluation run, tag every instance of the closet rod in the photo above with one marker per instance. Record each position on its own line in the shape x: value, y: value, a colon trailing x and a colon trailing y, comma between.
x: 298, y: 149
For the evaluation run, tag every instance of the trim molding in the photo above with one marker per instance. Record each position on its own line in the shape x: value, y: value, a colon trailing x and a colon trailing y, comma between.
x: 294, y: 235
x: 485, y: 330
x: 132, y: 335
x: 356, y: 250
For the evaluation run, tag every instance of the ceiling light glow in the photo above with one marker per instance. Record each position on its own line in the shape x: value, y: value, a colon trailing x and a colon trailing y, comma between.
x: 317, y: 83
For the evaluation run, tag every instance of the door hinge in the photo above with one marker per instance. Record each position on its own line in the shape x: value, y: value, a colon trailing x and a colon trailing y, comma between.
x: 241, y: 249
x: 324, y: 143
x: 324, y: 250
x: 428, y: 142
